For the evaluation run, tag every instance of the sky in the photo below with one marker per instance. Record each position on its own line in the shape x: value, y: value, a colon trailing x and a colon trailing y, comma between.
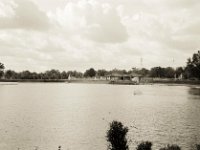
x: 39, y: 35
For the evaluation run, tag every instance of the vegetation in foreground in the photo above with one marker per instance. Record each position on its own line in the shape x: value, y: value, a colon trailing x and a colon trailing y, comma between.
x: 116, y: 137
x: 198, y: 146
x: 144, y: 146
x: 171, y: 147
x: 117, y: 140
x: 190, y: 71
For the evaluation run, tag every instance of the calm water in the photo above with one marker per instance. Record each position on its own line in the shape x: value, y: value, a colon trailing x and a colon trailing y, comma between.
x: 77, y: 116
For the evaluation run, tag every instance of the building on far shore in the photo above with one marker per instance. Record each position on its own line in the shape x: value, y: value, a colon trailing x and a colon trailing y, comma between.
x: 132, y: 78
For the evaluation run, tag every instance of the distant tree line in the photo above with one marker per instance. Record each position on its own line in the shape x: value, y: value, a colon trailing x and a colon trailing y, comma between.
x: 158, y: 72
x: 50, y: 74
x: 190, y: 71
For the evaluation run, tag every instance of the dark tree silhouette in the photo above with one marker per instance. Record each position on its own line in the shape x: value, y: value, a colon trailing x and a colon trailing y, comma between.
x: 116, y: 136
x: 198, y: 146
x: 179, y: 71
x: 1, y: 70
x: 102, y: 72
x: 90, y: 73
x: 2, y: 66
x: 193, y: 66
x: 157, y: 72
x: 10, y: 74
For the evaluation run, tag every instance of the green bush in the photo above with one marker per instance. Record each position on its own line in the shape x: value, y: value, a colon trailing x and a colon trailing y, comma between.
x: 116, y: 136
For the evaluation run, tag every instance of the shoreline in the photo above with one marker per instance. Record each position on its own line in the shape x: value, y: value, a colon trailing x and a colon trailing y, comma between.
x: 98, y: 81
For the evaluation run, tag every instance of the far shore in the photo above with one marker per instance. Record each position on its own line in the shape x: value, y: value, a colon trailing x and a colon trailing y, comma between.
x: 100, y: 81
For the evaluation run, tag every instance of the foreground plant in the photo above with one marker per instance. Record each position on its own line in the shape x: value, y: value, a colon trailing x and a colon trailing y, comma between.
x: 144, y: 146
x: 116, y: 136
x: 198, y: 146
x: 171, y: 147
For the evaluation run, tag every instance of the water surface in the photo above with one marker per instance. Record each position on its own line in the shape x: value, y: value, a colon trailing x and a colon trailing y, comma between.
x: 77, y: 116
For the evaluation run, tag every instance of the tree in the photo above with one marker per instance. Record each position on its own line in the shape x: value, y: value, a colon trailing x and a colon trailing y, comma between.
x: 1, y: 74
x: 179, y: 71
x: 90, y: 73
x: 2, y: 66
x: 25, y: 74
x: 64, y: 75
x: 169, y: 72
x: 158, y: 72
x: 118, y: 71
x: 144, y: 71
x: 75, y: 74
x: 193, y: 66
x: 102, y: 73
x: 10, y: 74
x: 53, y: 74
x: 1, y: 70
x: 116, y: 136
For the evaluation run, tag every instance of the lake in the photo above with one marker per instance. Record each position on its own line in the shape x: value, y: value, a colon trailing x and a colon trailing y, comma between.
x: 77, y: 116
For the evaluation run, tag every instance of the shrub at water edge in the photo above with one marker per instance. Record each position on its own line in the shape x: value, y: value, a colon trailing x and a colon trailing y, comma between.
x: 116, y: 136
x: 144, y: 146
x: 198, y: 146
x: 171, y: 147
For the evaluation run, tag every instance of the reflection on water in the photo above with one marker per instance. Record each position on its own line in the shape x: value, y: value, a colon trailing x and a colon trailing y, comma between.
x: 194, y: 91
x: 77, y: 116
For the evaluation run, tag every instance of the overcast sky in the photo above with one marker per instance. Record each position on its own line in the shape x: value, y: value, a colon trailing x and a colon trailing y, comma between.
x: 78, y: 34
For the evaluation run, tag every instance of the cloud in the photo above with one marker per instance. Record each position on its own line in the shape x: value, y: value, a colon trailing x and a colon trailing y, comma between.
x: 97, y: 33
x: 181, y: 4
x: 99, y: 22
x: 24, y: 15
